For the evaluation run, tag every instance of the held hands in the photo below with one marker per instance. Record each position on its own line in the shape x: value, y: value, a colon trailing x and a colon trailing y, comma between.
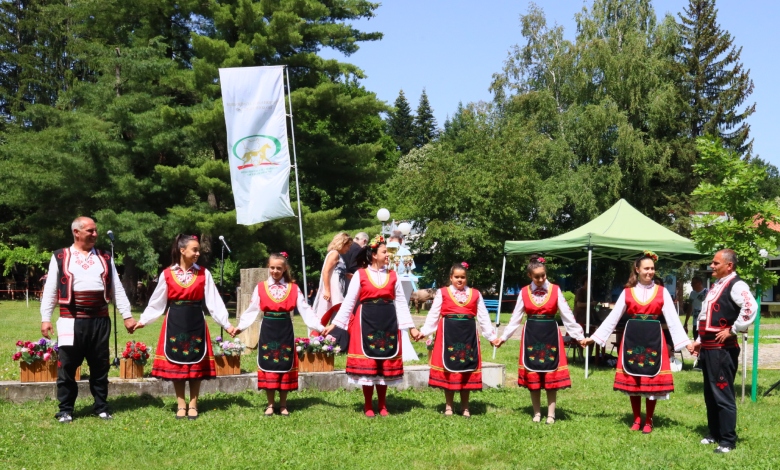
x: 46, y: 329
x: 691, y: 348
x: 415, y: 334
x: 696, y: 348
x: 138, y: 326
x: 497, y: 342
x: 586, y: 342
x: 130, y: 325
x: 328, y: 329
x: 232, y: 331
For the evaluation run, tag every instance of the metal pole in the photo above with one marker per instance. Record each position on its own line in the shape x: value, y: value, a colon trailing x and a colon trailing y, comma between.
x: 587, y: 310
x: 754, y: 379
x: 500, y: 298
x: 116, y: 347
x: 221, y: 281
x: 297, y: 184
x: 744, y: 364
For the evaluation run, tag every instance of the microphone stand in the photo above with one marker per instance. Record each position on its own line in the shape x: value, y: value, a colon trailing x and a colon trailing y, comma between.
x: 116, y: 348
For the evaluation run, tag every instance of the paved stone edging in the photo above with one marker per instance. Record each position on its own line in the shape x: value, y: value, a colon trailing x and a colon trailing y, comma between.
x: 415, y: 377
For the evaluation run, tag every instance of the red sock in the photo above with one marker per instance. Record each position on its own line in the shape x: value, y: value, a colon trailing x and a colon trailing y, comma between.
x: 636, y: 407
x: 368, y: 395
x: 650, y: 409
x: 381, y: 394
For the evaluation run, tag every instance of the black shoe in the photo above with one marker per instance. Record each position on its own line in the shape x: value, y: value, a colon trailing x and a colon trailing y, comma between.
x: 105, y: 416
x: 723, y: 449
x: 65, y: 418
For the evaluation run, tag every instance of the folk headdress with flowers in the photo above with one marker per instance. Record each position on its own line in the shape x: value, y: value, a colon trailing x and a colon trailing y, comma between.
x: 284, y: 254
x: 376, y: 241
x: 651, y: 255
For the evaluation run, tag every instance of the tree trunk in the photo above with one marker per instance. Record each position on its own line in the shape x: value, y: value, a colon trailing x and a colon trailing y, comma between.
x: 130, y: 279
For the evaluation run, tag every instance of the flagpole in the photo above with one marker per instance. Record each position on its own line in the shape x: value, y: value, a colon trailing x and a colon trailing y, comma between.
x: 297, y: 184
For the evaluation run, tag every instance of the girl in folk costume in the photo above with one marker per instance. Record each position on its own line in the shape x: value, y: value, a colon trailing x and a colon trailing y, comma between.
x: 277, y: 360
x: 456, y: 362
x: 332, y: 282
x: 543, y: 362
x: 643, y: 360
x: 375, y: 357
x: 184, y: 349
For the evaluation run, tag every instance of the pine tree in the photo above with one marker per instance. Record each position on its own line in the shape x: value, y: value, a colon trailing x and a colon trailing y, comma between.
x: 424, y: 124
x: 715, y: 84
x: 400, y: 124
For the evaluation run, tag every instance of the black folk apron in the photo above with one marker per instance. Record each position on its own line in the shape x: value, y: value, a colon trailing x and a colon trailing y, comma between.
x: 540, y: 344
x: 642, y: 347
x: 379, y: 329
x: 276, y: 346
x: 460, y: 348
x: 185, y: 332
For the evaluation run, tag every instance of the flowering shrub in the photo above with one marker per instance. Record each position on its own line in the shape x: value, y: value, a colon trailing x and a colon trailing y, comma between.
x: 327, y: 345
x: 233, y: 347
x: 136, y: 351
x: 41, y: 350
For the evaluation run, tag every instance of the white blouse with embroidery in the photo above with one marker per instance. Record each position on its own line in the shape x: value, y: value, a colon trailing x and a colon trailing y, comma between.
x: 643, y: 293
x: 462, y: 296
x: 278, y: 290
x: 341, y: 319
x: 159, y: 300
x: 539, y: 293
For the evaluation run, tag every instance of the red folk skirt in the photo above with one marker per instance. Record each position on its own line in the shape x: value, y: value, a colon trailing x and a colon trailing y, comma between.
x: 162, y: 368
x: 661, y: 384
x: 286, y: 381
x: 358, y: 365
x: 442, y: 378
x: 557, y: 379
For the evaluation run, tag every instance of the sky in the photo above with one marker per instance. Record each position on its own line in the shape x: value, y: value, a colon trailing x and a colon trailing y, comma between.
x: 451, y: 48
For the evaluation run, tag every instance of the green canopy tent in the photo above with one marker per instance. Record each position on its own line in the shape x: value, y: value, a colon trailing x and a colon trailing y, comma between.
x: 622, y: 232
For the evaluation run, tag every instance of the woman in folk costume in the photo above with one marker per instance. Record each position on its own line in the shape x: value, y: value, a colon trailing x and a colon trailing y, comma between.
x: 277, y: 360
x: 375, y: 357
x: 184, y: 349
x: 643, y: 360
x: 543, y: 362
x: 456, y: 362
x: 330, y: 294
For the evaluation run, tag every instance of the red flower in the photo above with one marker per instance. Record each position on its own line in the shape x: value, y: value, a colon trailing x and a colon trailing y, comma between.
x: 142, y: 347
x: 136, y: 356
x: 125, y: 354
x: 129, y: 343
x: 17, y: 356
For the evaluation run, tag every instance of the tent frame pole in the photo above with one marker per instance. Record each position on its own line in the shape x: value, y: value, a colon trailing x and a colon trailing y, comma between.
x: 587, y: 308
x: 500, y: 298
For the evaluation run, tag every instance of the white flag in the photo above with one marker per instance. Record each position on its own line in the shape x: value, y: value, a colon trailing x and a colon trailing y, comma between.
x: 253, y: 98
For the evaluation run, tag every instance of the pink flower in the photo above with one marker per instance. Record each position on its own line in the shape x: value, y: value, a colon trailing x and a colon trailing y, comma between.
x: 464, y: 264
x: 540, y: 259
x: 46, y: 357
x: 17, y: 356
x: 284, y: 253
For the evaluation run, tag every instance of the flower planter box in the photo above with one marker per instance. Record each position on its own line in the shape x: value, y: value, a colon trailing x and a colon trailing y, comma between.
x: 315, y: 362
x: 228, y: 365
x: 128, y: 369
x: 41, y: 371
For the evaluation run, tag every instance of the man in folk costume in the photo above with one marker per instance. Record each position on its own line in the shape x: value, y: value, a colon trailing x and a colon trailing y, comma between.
x: 82, y: 281
x: 643, y: 360
x: 542, y: 362
x: 728, y: 309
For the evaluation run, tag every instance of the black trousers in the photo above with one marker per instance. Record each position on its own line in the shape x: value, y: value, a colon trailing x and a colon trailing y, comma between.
x: 90, y: 342
x: 719, y: 367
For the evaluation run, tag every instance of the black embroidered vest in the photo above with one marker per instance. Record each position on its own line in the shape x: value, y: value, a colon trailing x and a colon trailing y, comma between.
x: 65, y: 282
x: 721, y: 315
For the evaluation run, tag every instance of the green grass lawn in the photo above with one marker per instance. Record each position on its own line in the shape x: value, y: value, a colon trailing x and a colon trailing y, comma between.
x: 327, y: 429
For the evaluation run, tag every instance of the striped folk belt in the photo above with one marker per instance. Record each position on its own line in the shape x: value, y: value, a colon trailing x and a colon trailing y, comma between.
x: 86, y: 304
